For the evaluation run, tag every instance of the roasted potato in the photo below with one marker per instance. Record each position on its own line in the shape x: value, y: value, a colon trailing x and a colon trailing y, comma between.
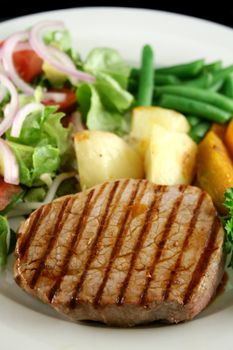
x: 104, y: 156
x: 170, y: 157
x: 214, y: 168
x: 143, y: 119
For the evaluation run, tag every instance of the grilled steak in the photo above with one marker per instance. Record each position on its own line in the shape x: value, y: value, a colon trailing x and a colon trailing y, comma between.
x: 123, y: 253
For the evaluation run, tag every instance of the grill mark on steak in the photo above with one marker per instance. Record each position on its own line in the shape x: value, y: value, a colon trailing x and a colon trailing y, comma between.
x: 117, y: 245
x: 190, y: 229
x: 152, y: 210
x: 32, y: 230
x: 171, y: 219
x: 204, y: 260
x: 61, y: 218
x: 104, y: 221
x: 75, y: 240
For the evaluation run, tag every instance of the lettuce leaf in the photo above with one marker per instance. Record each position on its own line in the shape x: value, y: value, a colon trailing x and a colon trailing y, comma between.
x: 96, y: 116
x: 44, y: 128
x: 62, y: 39
x: 46, y: 159
x: 36, y: 194
x: 23, y: 155
x: 112, y: 94
x: 42, y: 147
x: 104, y: 104
x: 110, y: 62
x: 35, y: 161
x: 4, y: 233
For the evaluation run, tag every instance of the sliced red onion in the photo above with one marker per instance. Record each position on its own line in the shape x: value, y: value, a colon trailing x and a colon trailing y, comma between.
x: 10, y: 165
x: 37, y: 44
x: 57, y: 97
x: 64, y: 59
x: 7, y: 59
x: 3, y: 92
x: 12, y: 107
x: 22, y: 114
x: 22, y: 46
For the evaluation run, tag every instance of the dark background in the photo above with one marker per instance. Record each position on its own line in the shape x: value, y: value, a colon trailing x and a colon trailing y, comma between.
x: 220, y: 11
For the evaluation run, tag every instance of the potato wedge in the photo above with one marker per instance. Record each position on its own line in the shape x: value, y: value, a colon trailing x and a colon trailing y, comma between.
x: 170, y: 157
x: 104, y: 156
x: 214, y: 168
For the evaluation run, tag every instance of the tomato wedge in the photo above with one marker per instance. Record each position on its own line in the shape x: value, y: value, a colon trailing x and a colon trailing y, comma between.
x: 28, y: 64
x: 68, y: 105
x: 7, y: 192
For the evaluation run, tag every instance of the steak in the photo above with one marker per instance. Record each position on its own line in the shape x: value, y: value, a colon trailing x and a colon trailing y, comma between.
x: 124, y: 253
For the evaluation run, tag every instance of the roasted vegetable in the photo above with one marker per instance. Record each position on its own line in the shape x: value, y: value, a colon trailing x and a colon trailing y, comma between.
x: 104, y: 156
x: 170, y: 157
x: 214, y: 168
x: 143, y: 119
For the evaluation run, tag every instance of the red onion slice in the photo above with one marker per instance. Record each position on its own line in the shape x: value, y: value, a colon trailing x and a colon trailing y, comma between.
x: 7, y: 50
x: 22, y: 46
x: 37, y: 44
x: 10, y: 165
x: 64, y: 59
x: 22, y: 114
x: 12, y: 107
x: 57, y: 97
x: 3, y: 92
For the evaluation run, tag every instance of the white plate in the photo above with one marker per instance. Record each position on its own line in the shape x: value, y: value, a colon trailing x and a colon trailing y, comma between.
x: 25, y: 323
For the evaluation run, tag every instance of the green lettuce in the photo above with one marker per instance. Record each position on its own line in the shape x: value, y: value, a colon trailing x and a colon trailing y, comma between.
x: 44, y: 128
x: 36, y: 194
x: 96, y: 115
x: 110, y: 62
x: 62, y: 39
x: 103, y: 105
x: 4, y: 233
x: 35, y: 161
x: 43, y: 145
x: 114, y: 97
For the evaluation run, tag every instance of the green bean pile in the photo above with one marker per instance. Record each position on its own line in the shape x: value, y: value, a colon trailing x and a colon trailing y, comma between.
x: 202, y: 92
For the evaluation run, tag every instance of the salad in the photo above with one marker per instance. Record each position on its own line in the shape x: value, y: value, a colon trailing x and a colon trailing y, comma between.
x: 68, y: 123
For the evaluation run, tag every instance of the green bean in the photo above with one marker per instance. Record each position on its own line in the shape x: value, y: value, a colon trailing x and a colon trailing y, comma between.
x: 159, y: 79
x: 166, y: 79
x: 198, y: 131
x: 203, y: 81
x: 211, y: 97
x: 188, y: 105
x: 213, y: 67
x: 186, y: 70
x: 228, y: 86
x: 193, y: 120
x: 222, y: 73
x: 146, y: 77
x: 216, y: 86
